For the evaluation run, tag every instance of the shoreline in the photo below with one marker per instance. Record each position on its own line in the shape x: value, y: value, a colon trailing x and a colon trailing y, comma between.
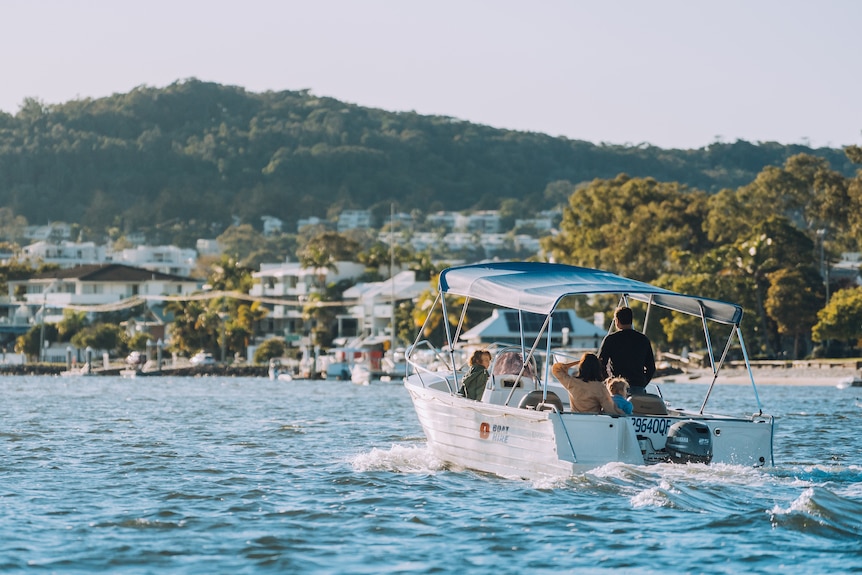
x: 769, y: 376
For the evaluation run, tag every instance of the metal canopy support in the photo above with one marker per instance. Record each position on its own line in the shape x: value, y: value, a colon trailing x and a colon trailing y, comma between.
x: 748, y: 365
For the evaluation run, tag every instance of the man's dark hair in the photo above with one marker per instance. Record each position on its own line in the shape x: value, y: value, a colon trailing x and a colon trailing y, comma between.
x: 624, y: 315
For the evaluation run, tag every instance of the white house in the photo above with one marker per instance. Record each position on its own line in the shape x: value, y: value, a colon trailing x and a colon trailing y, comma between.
x: 354, y: 219
x: 65, y: 254
x: 291, y: 283
x: 94, y: 285
x: 171, y: 260
x: 373, y: 312
x: 53, y: 231
x: 44, y: 296
x: 271, y: 225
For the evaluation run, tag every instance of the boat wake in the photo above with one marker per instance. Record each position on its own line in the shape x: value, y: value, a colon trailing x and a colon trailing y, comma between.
x: 398, y: 459
x: 820, y: 511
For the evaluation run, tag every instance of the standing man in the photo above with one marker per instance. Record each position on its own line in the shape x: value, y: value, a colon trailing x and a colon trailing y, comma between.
x: 628, y: 353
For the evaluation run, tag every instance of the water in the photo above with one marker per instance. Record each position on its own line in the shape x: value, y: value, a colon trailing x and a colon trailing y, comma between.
x: 243, y: 475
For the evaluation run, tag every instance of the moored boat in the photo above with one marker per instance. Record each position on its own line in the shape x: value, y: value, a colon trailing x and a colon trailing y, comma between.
x: 523, y: 426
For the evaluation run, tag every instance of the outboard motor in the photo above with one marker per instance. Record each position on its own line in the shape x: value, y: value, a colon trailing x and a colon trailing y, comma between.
x: 689, y: 442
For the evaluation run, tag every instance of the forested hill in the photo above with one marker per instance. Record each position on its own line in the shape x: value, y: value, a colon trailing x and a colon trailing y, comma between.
x: 200, y: 153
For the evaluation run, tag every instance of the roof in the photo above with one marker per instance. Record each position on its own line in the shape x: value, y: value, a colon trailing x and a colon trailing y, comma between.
x: 109, y: 273
x: 504, y: 325
x: 538, y: 287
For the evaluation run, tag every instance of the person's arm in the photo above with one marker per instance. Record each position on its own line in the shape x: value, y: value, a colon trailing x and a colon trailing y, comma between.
x: 561, y: 372
x: 649, y: 364
x: 605, y: 351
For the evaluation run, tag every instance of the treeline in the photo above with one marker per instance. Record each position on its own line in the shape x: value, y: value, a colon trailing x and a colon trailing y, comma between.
x: 181, y: 162
x: 768, y: 245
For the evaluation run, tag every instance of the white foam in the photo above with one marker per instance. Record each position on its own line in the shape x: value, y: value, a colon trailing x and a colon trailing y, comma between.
x: 399, y: 458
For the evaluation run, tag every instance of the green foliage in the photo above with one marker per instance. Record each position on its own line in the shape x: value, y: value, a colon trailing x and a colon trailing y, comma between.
x: 72, y: 323
x: 841, y: 318
x: 29, y: 342
x: 178, y: 162
x: 138, y: 342
x: 99, y: 336
x: 323, y: 250
x: 631, y: 226
x: 793, y: 298
x: 269, y: 349
x: 228, y: 275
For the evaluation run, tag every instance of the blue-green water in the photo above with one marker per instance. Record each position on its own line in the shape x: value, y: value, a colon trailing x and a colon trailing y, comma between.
x: 242, y: 475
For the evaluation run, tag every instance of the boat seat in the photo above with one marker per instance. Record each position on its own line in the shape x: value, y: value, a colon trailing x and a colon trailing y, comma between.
x: 534, y: 399
x: 509, y: 380
x: 648, y: 404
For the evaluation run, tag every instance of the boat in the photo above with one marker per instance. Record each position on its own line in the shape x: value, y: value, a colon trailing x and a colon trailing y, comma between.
x: 277, y: 372
x: 850, y: 381
x: 85, y: 370
x: 360, y: 374
x: 522, y: 426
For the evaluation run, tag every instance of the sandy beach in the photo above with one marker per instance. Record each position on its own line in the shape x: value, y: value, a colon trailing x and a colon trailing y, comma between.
x: 824, y: 375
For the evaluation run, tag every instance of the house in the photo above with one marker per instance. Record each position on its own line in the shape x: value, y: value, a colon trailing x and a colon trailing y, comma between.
x: 93, y: 288
x: 291, y: 283
x: 207, y: 247
x: 53, y: 231
x: 271, y: 225
x: 354, y: 219
x: 171, y: 260
x: 373, y: 312
x: 570, y: 331
x: 165, y: 259
x: 65, y: 254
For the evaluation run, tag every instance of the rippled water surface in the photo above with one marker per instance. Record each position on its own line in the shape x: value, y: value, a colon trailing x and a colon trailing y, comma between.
x: 212, y: 475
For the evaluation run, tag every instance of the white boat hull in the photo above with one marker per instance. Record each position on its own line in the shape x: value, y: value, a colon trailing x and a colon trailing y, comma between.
x: 525, y: 443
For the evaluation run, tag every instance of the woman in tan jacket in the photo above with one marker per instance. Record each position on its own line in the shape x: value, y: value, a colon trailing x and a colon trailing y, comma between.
x: 587, y: 392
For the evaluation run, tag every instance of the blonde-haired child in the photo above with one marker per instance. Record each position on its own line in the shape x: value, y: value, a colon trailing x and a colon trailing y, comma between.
x: 618, y: 387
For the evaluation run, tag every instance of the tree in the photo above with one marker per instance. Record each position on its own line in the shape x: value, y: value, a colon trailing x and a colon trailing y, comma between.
x: 228, y: 275
x: 242, y: 241
x: 30, y: 342
x: 99, y: 336
x: 138, y: 342
x: 322, y: 251
x: 636, y: 227
x: 841, y: 318
x: 792, y: 301
x: 195, y: 326
x: 270, y: 349
x: 72, y: 323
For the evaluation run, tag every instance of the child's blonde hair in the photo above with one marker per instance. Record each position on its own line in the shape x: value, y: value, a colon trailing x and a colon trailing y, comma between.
x: 617, y: 385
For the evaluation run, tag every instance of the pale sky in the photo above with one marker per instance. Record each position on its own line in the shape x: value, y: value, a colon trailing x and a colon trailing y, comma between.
x: 675, y: 74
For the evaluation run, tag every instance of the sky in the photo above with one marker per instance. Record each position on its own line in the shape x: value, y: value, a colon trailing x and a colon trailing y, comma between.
x: 669, y: 73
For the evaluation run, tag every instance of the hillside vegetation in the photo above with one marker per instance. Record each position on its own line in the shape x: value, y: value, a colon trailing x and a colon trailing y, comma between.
x: 180, y: 162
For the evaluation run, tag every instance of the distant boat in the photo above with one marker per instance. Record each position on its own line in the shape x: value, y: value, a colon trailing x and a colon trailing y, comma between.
x: 360, y: 374
x: 850, y: 381
x: 276, y: 371
x: 84, y: 370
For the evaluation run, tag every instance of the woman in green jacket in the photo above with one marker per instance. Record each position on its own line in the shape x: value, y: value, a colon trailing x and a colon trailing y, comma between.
x: 474, y: 381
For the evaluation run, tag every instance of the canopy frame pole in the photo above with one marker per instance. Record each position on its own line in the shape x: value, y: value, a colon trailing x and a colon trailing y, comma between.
x: 648, y: 310
x: 521, y: 329
x: 550, y: 322
x: 748, y: 365
x: 717, y: 368
x: 448, y: 329
x: 461, y: 320
x: 706, y: 338
x: 409, y: 355
x: 528, y: 357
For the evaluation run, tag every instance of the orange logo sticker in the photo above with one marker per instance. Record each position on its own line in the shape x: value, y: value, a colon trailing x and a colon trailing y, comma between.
x: 484, y: 430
